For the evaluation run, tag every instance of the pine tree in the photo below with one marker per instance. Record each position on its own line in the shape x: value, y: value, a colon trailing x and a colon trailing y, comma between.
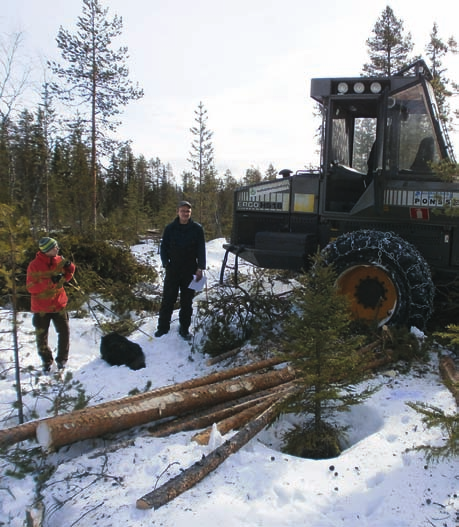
x: 202, y: 157
x: 325, y: 355
x: 271, y: 172
x: 23, y: 180
x: 46, y: 120
x: 436, y: 50
x: 77, y: 182
x: 14, y: 232
x: 435, y: 417
x: 389, y: 48
x: 95, y: 76
x: 252, y: 175
x: 59, y: 179
x: 30, y: 161
x: 225, y: 198
x: 188, y: 185
x: 142, y: 176
x: 5, y: 161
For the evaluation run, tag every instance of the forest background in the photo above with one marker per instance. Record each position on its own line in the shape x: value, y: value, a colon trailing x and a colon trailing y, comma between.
x: 62, y: 170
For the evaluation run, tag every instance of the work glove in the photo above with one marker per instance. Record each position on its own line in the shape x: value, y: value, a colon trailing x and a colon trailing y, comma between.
x: 56, y: 278
x: 67, y: 263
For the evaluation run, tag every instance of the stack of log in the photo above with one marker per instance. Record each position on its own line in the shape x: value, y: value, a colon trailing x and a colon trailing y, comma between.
x: 246, y: 398
x: 170, y: 402
x: 202, y: 400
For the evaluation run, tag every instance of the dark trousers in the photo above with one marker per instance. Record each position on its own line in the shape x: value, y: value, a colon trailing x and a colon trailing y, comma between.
x: 174, y: 282
x: 41, y: 322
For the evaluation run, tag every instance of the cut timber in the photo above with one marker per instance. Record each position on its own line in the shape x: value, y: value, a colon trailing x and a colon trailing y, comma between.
x: 192, y: 383
x: 69, y: 428
x: 15, y: 434
x: 236, y: 421
x: 223, y: 356
x: 451, y: 376
x: 211, y: 415
x: 448, y: 370
x: 198, y: 471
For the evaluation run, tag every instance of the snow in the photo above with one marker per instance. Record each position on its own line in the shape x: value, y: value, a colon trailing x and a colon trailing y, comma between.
x: 378, y: 481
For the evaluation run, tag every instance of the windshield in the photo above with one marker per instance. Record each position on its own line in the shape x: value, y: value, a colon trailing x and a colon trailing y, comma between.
x: 410, y: 140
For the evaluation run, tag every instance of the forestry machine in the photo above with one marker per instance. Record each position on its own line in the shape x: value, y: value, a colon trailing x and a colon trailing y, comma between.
x: 376, y: 209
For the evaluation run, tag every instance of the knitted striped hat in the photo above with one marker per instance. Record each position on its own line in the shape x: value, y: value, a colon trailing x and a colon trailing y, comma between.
x: 46, y: 244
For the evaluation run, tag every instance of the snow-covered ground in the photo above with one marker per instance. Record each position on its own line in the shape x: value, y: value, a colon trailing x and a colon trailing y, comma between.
x: 379, y: 481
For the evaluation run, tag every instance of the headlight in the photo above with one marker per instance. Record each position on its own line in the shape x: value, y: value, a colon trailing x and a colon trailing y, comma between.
x: 359, y: 87
x: 375, y: 87
x: 343, y: 87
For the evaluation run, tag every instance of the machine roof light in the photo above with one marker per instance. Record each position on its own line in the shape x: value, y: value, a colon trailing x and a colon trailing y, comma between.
x: 343, y: 87
x: 359, y: 87
x: 375, y: 87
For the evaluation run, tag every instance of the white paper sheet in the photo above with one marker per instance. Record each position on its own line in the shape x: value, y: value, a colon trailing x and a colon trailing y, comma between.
x: 197, y: 286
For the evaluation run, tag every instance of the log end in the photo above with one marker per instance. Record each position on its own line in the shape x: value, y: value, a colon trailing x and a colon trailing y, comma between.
x: 142, y: 504
x: 44, y: 436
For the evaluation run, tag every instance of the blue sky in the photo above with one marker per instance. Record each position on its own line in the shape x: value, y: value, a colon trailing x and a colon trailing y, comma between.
x: 249, y: 61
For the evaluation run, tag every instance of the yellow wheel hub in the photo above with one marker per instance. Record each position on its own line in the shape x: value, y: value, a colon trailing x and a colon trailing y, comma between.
x: 372, y: 293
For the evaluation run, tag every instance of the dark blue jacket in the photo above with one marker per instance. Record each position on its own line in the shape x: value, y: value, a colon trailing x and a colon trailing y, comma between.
x: 183, y: 247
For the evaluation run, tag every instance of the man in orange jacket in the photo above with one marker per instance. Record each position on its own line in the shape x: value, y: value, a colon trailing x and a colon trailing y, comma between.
x: 46, y: 275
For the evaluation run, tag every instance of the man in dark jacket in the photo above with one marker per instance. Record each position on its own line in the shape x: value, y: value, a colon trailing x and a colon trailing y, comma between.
x: 183, y: 254
x: 46, y: 275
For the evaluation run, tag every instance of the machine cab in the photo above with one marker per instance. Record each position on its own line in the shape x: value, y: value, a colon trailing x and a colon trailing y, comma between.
x: 376, y: 130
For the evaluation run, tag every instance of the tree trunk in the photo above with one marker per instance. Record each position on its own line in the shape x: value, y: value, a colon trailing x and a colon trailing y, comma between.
x: 198, y: 471
x: 69, y: 428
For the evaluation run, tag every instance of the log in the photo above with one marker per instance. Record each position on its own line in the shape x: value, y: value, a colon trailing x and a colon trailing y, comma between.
x: 236, y: 421
x: 451, y: 376
x: 448, y: 370
x: 16, y: 434
x: 25, y: 431
x: 211, y: 415
x: 197, y: 472
x: 223, y: 356
x: 382, y: 361
x: 192, y: 383
x: 66, y: 429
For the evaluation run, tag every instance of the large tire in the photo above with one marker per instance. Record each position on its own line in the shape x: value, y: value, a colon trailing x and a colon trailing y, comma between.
x: 386, y: 278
